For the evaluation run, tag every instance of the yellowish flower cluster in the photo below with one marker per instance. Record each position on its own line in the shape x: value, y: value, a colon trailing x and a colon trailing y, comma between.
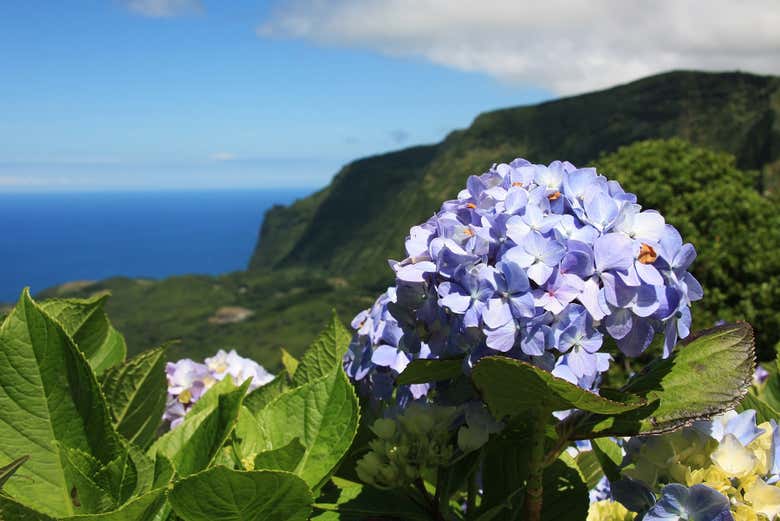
x: 608, y: 511
x: 742, y: 473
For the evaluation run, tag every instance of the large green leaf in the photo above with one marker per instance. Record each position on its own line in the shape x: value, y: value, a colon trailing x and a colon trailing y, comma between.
x: 89, y: 491
x: 230, y: 495
x: 589, y: 467
x: 325, y: 354
x: 143, y: 466
x: 565, y: 493
x: 322, y: 414
x: 424, y: 371
x: 163, y: 471
x: 356, y: 502
x: 12, y: 510
x: 136, y: 391
x: 144, y: 508
x: 49, y: 398
x: 263, y: 395
x: 505, y: 470
x: 8, y: 470
x: 86, y: 322
x: 193, y: 444
x: 129, y: 475
x: 610, y: 457
x: 511, y: 387
x: 103, y: 488
x: 770, y: 392
x: 285, y: 458
x: 708, y: 375
x: 764, y: 411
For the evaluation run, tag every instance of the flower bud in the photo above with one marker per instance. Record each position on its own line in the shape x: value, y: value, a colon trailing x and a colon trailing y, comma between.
x: 384, y: 428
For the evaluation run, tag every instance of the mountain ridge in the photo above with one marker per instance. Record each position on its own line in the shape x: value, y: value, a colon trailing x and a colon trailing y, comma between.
x: 346, y: 227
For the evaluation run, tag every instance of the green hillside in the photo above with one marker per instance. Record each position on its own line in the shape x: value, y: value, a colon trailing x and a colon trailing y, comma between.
x: 329, y: 250
x: 362, y: 218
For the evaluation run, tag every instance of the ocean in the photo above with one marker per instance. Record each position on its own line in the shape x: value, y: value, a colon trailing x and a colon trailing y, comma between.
x: 52, y: 238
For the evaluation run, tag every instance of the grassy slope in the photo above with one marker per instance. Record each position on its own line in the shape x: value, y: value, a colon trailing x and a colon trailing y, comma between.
x: 343, y: 234
x: 290, y: 307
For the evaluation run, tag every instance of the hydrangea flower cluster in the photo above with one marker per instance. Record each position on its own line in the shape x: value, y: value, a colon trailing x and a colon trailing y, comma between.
x: 540, y: 263
x: 417, y: 441
x: 189, y: 380
x: 724, y: 469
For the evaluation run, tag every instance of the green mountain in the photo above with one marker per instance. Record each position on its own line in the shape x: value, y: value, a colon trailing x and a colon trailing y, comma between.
x: 361, y: 219
x: 329, y: 250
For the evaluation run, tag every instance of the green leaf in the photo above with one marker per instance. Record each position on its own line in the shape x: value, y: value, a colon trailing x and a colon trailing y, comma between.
x: 136, y: 391
x: 764, y: 411
x: 770, y: 392
x: 284, y: 458
x: 88, y: 491
x: 322, y: 414
x: 357, y: 502
x: 224, y: 494
x: 454, y: 478
x: 589, y: 467
x: 493, y: 513
x: 131, y: 474
x: 505, y: 470
x: 708, y: 375
x: 49, y: 398
x: 610, y: 457
x: 244, y: 442
x: 261, y: 396
x: 424, y: 371
x: 324, y: 355
x: 12, y: 510
x: 565, y: 494
x: 163, y: 471
x: 7, y: 471
x: 289, y: 362
x: 192, y: 445
x: 144, y: 508
x: 86, y: 322
x: 510, y: 387
x: 103, y: 488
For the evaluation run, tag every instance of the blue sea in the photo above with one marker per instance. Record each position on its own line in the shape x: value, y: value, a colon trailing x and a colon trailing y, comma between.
x: 53, y: 238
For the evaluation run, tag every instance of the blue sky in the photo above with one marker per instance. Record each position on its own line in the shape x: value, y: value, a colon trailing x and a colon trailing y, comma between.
x: 182, y: 94
x: 96, y: 95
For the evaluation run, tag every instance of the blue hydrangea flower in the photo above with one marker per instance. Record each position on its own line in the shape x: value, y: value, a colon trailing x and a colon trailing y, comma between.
x: 542, y: 263
x: 469, y: 292
x: 698, y: 503
x: 741, y: 425
x: 374, y: 357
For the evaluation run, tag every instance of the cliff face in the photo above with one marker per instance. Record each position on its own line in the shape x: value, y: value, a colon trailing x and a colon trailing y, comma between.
x: 361, y: 219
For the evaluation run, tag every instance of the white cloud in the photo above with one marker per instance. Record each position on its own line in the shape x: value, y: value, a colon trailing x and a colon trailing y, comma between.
x: 222, y: 156
x: 568, y: 46
x: 164, y: 8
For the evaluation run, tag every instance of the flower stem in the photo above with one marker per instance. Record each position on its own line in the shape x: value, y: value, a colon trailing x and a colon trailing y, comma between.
x: 472, y: 491
x: 533, y: 489
x: 432, y: 505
